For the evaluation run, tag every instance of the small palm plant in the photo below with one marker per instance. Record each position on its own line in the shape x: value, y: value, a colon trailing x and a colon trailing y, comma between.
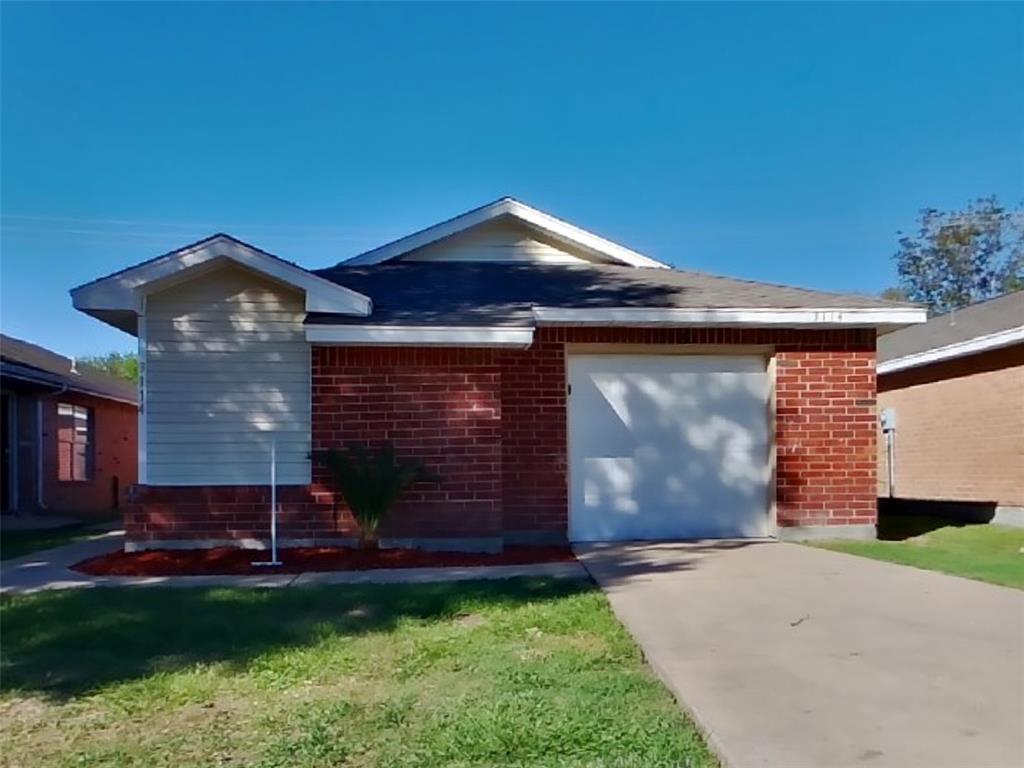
x: 371, y: 480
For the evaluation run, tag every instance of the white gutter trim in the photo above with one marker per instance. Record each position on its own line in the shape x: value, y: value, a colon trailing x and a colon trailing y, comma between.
x: 403, y: 335
x: 951, y: 351
x: 752, y: 317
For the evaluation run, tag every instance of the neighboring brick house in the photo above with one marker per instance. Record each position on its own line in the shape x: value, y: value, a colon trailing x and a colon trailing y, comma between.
x: 69, y: 435
x: 561, y: 387
x: 954, y: 391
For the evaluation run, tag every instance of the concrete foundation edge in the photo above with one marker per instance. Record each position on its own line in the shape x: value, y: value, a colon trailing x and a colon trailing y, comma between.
x: 822, y: 532
x: 255, y: 544
x: 535, y: 538
x: 1013, y: 516
x: 487, y: 544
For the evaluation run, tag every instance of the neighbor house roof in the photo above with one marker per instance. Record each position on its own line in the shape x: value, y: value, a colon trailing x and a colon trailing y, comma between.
x: 978, y: 328
x: 34, y: 364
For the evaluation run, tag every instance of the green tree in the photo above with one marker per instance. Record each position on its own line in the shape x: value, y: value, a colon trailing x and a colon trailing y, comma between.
x: 123, y: 365
x: 962, y: 257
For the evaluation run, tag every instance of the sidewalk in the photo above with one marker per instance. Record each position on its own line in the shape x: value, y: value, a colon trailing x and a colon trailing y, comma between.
x: 51, y: 569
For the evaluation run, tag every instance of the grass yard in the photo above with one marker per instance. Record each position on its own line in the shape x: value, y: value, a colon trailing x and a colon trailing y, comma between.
x: 992, y: 553
x: 528, y: 672
x: 17, y: 543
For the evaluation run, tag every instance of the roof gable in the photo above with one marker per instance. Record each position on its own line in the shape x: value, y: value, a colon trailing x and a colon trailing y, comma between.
x: 508, y: 209
x: 118, y: 299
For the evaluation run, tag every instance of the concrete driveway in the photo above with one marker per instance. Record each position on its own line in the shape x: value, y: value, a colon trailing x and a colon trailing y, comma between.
x: 795, y: 657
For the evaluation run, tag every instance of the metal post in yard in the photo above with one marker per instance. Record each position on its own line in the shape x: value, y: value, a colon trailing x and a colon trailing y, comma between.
x: 273, y: 506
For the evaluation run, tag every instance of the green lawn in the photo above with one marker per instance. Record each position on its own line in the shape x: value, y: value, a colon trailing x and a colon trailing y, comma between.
x: 992, y: 553
x: 519, y: 673
x: 17, y: 543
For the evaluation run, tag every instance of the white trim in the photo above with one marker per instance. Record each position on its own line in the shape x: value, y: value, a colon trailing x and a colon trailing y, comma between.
x: 444, y: 336
x: 767, y: 360
x: 142, y: 436
x: 754, y: 317
x: 124, y: 290
x: 507, y: 206
x: 772, y: 486
x: 950, y: 351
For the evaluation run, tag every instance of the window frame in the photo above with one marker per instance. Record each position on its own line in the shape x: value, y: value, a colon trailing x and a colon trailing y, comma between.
x: 88, y: 432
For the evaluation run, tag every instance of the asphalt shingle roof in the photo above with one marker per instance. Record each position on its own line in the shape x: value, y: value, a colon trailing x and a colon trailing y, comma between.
x: 979, y: 319
x: 503, y: 293
x: 21, y: 358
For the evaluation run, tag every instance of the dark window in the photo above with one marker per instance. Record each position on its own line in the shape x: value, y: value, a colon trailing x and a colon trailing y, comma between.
x: 74, y: 442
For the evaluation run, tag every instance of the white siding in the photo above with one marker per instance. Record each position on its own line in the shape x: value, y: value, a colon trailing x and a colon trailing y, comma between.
x: 227, y: 365
x: 500, y: 240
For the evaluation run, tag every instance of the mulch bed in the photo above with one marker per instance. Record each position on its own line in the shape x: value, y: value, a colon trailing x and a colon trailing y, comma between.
x: 225, y: 560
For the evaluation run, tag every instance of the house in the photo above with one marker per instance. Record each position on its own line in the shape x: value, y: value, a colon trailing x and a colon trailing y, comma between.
x: 68, y: 433
x: 560, y: 385
x: 952, y: 394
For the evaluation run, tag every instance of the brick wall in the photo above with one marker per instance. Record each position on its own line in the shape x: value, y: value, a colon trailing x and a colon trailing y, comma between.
x: 825, y: 425
x: 232, y: 513
x: 115, y: 467
x: 440, y: 405
x: 492, y: 424
x: 959, y: 429
x: 825, y: 433
x: 534, y: 495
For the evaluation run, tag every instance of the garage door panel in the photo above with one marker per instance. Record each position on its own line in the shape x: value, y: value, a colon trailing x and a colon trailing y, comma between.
x: 667, y: 447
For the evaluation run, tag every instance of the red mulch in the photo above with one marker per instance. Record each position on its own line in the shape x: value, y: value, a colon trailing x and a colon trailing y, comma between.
x: 225, y: 560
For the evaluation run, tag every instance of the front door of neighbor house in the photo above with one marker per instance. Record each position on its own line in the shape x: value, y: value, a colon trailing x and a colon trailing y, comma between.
x: 668, y: 447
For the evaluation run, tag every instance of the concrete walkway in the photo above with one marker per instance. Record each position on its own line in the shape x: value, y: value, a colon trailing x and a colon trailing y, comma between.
x: 51, y: 569
x: 797, y: 657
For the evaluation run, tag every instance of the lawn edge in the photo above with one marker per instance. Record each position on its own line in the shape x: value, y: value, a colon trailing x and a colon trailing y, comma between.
x: 692, y: 714
x: 822, y: 546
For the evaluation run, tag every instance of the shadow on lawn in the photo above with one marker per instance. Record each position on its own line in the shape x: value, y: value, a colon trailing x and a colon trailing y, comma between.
x: 903, y: 527
x: 67, y: 643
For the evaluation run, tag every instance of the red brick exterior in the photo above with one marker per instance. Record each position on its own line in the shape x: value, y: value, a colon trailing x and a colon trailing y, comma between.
x: 115, y: 467
x: 492, y: 425
x: 232, y: 513
x: 440, y: 405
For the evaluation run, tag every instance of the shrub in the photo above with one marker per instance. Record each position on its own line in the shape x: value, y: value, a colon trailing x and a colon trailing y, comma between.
x: 371, y: 480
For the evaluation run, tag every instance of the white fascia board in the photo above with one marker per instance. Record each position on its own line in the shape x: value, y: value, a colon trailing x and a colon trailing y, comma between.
x: 951, y: 351
x: 406, y: 335
x: 752, y: 317
x: 124, y: 290
x: 507, y: 207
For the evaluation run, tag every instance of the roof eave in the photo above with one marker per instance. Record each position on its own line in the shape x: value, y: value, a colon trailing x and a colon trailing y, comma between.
x: 118, y: 298
x: 58, y: 382
x: 985, y: 343
x: 883, y: 319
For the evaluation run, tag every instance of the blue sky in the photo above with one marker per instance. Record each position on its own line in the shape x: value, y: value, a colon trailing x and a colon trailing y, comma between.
x: 786, y: 143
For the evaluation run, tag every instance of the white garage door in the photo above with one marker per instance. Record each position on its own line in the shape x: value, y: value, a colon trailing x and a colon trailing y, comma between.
x: 667, y: 447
